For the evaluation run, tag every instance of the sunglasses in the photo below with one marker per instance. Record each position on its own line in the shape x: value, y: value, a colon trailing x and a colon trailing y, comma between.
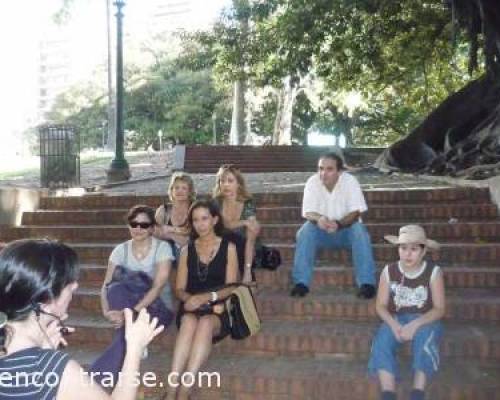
x: 143, y: 225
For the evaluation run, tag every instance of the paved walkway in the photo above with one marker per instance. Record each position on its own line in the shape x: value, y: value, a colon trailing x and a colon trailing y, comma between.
x: 276, y: 182
x: 151, y: 173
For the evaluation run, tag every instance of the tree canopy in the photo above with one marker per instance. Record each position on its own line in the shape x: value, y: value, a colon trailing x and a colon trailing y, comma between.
x: 372, y: 69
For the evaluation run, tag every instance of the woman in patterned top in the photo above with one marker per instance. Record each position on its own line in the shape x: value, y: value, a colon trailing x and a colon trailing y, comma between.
x: 411, y: 303
x: 239, y: 216
x: 37, y: 281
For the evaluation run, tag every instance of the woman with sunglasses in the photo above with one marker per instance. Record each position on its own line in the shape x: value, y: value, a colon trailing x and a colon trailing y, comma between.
x: 136, y: 278
x: 171, y: 219
x: 206, y: 264
x: 37, y: 281
x: 239, y: 216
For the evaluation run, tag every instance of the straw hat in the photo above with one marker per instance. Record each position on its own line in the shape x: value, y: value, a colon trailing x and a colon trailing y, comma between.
x: 412, y: 234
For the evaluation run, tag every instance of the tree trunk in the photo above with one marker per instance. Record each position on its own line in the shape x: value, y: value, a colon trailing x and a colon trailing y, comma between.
x: 462, y: 132
x: 289, y: 94
x: 277, y: 119
x: 238, y: 131
x: 237, y: 134
x: 462, y: 136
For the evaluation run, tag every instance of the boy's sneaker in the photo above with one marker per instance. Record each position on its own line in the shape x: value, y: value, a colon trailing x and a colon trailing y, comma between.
x: 300, y: 290
x: 367, y: 291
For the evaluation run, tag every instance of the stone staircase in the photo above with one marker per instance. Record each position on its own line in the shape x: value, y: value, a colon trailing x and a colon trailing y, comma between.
x: 207, y: 159
x: 314, y: 347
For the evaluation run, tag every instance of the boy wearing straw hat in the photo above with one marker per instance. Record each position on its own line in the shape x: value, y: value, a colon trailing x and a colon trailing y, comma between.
x: 411, y: 303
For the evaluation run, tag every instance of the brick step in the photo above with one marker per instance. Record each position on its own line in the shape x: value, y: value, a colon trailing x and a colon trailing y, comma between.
x: 392, y: 213
x: 292, y: 214
x: 474, y: 232
x: 373, y: 196
x: 250, y: 377
x: 299, y: 339
x: 450, y: 253
x: 455, y: 277
x: 486, y: 232
x: 335, y: 303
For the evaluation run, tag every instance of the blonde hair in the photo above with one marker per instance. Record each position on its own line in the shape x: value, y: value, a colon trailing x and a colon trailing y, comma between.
x: 242, y: 194
x: 182, y: 177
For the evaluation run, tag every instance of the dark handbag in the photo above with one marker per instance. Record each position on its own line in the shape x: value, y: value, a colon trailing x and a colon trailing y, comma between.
x: 244, y: 319
x: 270, y: 258
x: 241, y: 309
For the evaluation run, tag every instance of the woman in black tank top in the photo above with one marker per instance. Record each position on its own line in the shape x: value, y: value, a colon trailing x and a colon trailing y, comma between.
x: 206, y: 264
x: 171, y: 217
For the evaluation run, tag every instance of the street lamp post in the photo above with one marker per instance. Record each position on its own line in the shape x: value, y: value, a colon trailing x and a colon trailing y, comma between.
x: 119, y: 169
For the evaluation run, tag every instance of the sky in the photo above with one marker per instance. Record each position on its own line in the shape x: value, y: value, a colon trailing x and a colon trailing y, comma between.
x: 23, y: 23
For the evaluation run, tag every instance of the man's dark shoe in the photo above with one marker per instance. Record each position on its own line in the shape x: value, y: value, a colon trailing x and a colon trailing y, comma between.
x: 300, y: 290
x: 366, y: 291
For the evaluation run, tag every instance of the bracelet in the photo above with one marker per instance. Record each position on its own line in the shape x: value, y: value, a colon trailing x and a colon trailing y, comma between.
x: 214, y: 296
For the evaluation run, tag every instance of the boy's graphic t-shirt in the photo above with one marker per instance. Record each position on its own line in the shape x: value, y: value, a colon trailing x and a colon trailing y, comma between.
x: 410, y: 293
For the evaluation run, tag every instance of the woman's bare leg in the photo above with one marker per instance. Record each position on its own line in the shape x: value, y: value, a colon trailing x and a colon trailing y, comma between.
x: 182, y: 349
x: 208, y: 327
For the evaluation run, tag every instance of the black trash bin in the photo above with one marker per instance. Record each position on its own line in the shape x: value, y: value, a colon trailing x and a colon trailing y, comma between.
x: 59, y: 156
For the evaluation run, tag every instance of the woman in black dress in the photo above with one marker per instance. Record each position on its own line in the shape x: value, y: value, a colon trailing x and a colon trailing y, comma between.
x: 207, y: 263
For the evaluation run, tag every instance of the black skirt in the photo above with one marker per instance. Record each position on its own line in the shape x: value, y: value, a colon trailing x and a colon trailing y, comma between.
x: 225, y: 328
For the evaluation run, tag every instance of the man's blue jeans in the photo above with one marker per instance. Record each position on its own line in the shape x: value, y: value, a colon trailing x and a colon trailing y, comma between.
x: 355, y: 238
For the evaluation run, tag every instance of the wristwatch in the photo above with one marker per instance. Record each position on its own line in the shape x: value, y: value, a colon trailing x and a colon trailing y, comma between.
x: 214, y: 296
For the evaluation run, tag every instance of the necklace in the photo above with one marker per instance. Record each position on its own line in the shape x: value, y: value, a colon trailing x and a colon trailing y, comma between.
x: 141, y: 253
x: 202, y: 267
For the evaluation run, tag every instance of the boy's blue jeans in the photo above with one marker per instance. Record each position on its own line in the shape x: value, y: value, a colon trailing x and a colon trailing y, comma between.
x: 355, y: 238
x: 425, y: 348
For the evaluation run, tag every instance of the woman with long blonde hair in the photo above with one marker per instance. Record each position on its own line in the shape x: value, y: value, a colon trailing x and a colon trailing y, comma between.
x: 239, y: 216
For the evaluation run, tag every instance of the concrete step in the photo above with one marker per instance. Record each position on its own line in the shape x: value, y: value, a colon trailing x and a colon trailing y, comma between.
x: 334, y: 276
x: 486, y: 232
x: 478, y: 305
x: 463, y: 254
x: 297, y: 339
x: 373, y: 196
x: 245, y: 378
x: 462, y: 212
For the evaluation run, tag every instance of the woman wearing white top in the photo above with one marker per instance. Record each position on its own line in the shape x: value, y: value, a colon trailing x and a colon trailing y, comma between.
x: 136, y: 278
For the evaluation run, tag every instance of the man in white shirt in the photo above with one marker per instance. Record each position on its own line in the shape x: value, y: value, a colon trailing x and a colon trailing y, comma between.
x: 332, y: 204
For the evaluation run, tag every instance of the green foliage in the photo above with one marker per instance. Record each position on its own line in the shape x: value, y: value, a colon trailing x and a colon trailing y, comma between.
x: 180, y: 103
x: 403, y: 57
x: 398, y: 54
x: 84, y: 107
